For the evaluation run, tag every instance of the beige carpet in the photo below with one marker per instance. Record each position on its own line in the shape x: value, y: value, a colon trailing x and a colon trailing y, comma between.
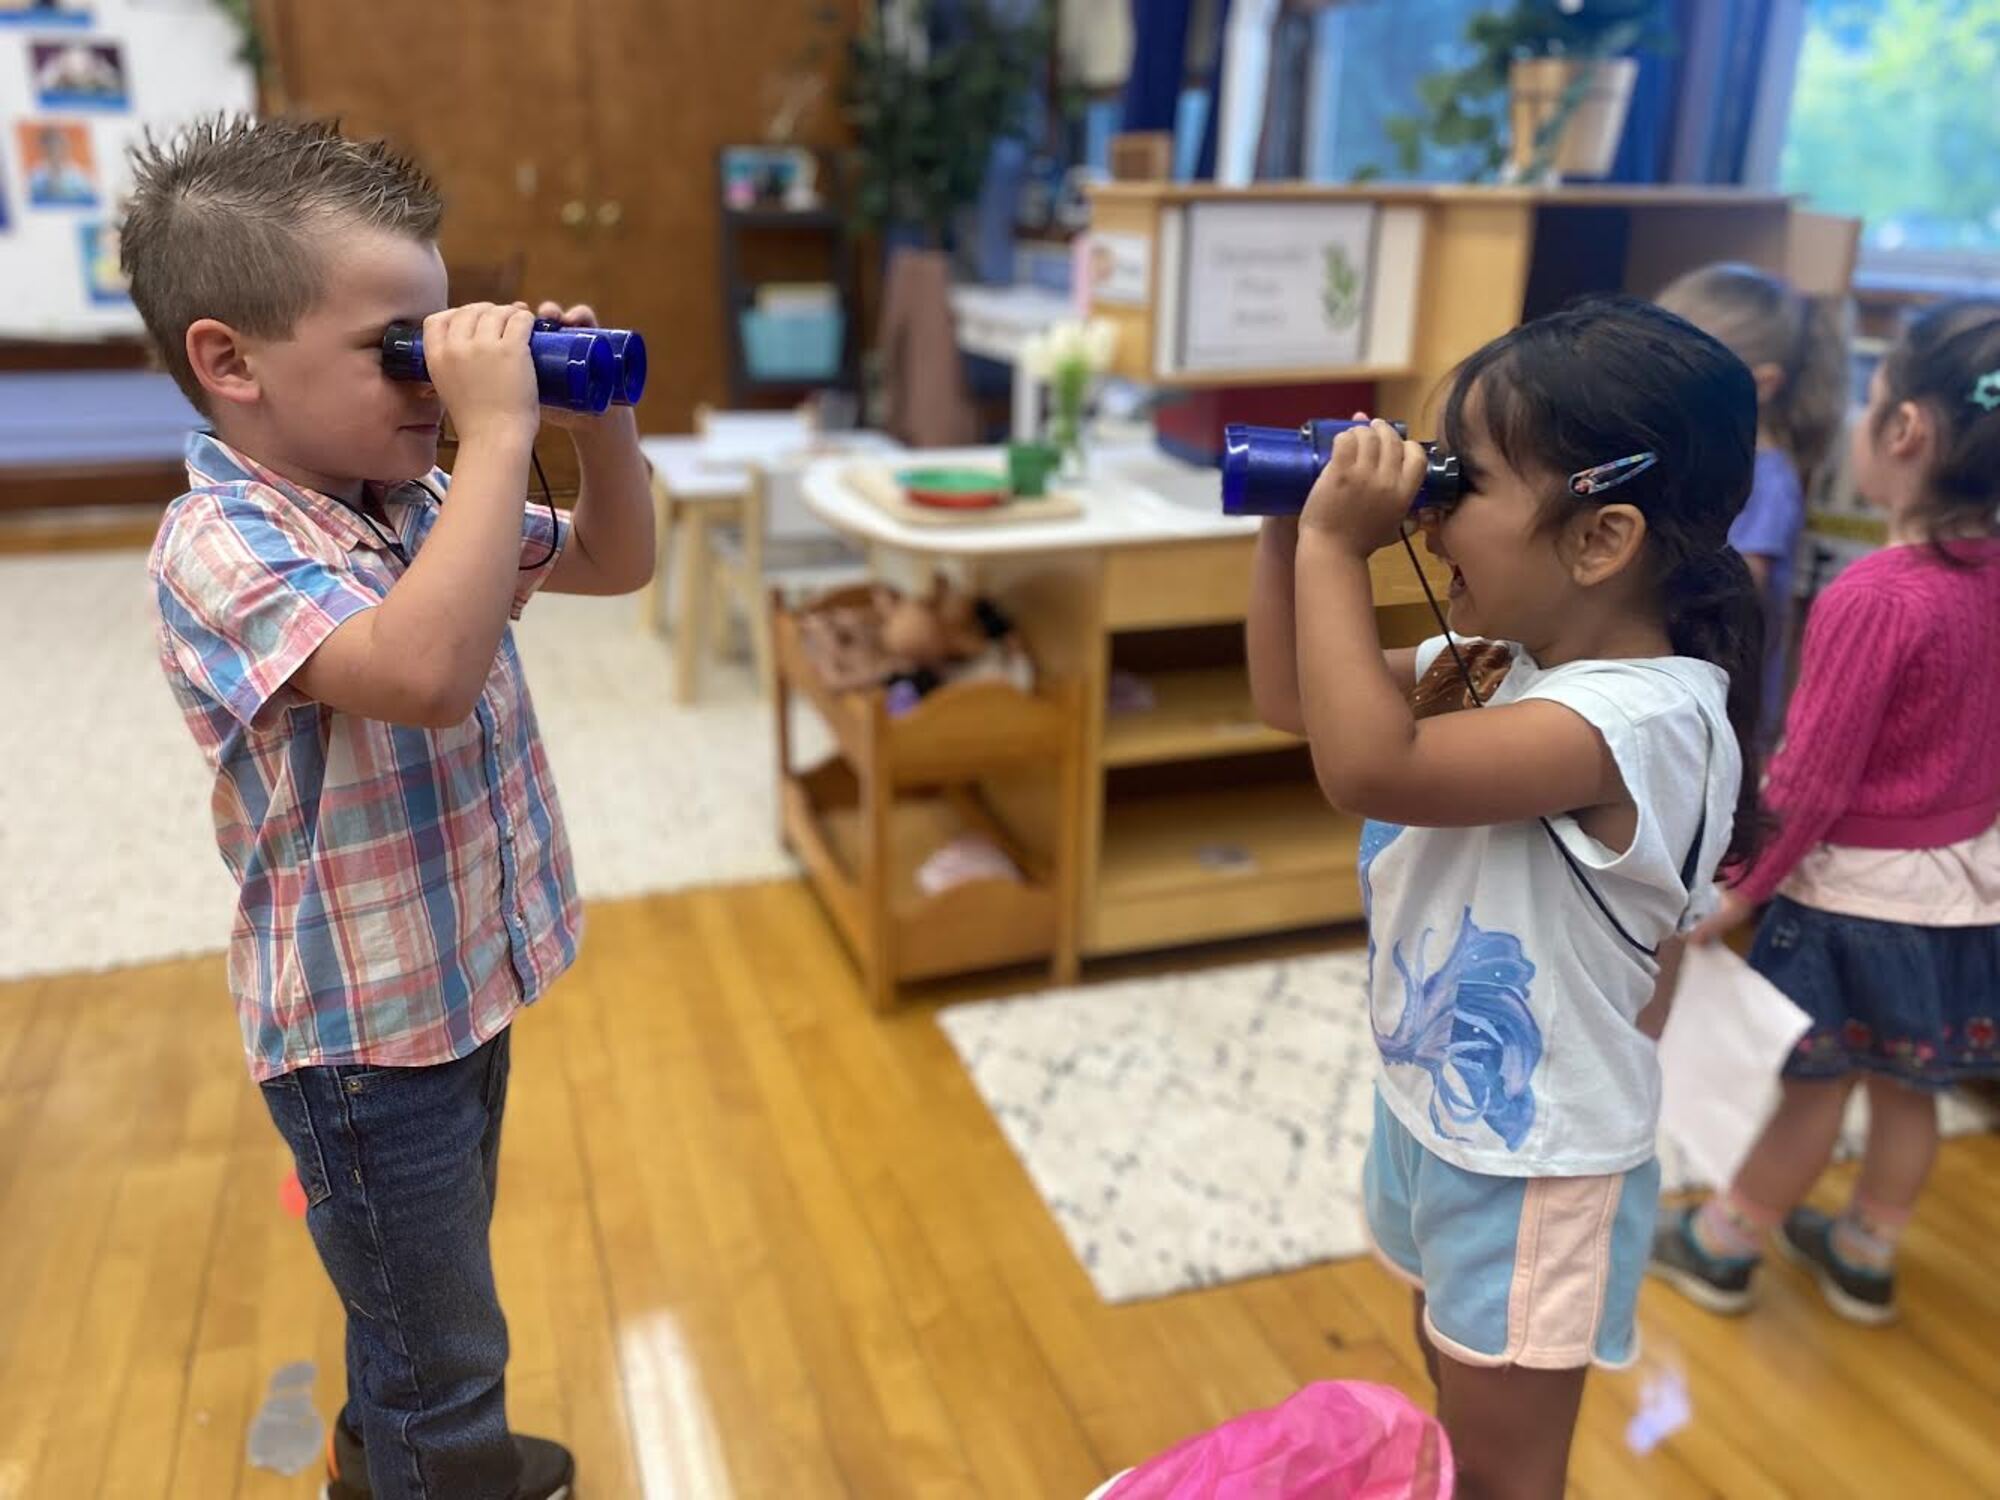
x: 106, y: 849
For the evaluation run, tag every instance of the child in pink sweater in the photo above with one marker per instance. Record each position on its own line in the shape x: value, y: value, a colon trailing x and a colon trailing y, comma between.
x: 1885, y: 863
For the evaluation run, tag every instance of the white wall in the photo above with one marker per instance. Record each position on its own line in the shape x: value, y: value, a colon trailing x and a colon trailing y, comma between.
x: 179, y: 62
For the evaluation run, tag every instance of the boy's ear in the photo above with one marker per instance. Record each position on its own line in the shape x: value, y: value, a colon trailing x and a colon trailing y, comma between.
x: 1770, y: 380
x: 1604, y: 542
x: 220, y: 362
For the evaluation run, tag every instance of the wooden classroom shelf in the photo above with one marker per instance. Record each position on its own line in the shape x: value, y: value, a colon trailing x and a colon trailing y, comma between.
x: 1196, y: 715
x: 981, y: 924
x: 899, y: 788
x: 1160, y: 880
x: 961, y: 728
x: 1198, y: 380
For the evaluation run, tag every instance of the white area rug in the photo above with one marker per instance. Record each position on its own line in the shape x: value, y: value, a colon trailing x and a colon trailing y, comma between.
x: 106, y: 845
x: 1187, y: 1129
x: 1202, y: 1127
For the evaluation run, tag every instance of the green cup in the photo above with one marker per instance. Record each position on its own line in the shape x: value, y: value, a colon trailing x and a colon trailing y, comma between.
x: 1028, y: 468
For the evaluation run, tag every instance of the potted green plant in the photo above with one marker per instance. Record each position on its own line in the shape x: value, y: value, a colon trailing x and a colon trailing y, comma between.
x: 925, y: 113
x: 1544, y: 94
x: 925, y: 116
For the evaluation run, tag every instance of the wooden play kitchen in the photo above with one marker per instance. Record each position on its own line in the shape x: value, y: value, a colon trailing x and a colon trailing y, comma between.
x: 1165, y: 813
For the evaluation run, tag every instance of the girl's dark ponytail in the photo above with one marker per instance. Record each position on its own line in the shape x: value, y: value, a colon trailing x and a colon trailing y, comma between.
x: 1714, y: 612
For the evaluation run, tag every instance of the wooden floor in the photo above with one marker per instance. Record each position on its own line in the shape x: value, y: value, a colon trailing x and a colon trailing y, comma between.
x: 755, y: 1242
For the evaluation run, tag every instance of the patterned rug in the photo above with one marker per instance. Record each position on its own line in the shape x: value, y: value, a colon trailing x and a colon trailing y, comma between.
x: 1192, y: 1128
x: 1197, y: 1128
x: 105, y: 839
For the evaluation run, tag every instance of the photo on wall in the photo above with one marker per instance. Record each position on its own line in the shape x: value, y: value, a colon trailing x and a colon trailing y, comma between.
x: 43, y: 13
x: 104, y: 281
x: 78, y: 75
x: 57, y: 160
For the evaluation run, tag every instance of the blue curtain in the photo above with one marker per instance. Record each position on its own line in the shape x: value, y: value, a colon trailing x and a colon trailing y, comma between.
x: 1159, y: 63
x: 1645, y: 153
x: 1160, y: 47
x: 1204, y: 166
x: 1742, y: 29
x: 1693, y: 104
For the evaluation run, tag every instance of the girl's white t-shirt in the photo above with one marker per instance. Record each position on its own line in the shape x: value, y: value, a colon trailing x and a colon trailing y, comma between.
x: 1504, y: 1000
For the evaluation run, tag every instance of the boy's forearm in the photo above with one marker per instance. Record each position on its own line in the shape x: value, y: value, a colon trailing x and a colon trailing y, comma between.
x: 1271, y: 634
x: 1356, y: 714
x: 613, y: 520
x: 449, y: 610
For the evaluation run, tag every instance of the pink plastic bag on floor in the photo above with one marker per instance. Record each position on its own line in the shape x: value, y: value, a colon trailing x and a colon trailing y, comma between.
x: 1333, y: 1440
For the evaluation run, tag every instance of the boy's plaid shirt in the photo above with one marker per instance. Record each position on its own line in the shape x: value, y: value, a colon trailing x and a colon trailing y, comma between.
x: 404, y: 891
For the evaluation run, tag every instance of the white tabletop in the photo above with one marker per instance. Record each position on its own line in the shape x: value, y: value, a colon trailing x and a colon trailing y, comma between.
x: 1136, y: 495
x: 690, y: 473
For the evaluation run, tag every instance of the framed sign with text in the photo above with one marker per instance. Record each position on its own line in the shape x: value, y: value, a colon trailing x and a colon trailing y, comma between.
x: 1272, y: 286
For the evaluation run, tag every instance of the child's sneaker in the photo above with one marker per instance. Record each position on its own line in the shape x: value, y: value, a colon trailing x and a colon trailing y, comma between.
x: 1860, y: 1296
x: 547, y: 1470
x: 1720, y: 1284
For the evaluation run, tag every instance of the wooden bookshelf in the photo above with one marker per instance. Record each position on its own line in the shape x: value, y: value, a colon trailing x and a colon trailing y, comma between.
x: 899, y: 787
x: 1196, y: 715
x: 1181, y: 867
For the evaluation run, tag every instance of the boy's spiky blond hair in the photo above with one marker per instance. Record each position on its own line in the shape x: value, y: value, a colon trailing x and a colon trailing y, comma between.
x: 228, y: 219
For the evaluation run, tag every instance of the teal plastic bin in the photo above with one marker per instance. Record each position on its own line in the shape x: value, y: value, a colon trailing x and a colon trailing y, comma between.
x: 792, y: 345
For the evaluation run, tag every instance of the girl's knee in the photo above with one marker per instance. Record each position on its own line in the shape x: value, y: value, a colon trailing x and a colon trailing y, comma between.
x: 1888, y: 1095
x: 1814, y: 1096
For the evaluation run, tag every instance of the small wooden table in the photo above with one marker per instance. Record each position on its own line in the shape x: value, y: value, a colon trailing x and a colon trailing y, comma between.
x: 696, y: 500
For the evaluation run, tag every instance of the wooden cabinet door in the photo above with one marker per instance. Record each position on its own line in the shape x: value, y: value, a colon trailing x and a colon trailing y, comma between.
x: 670, y: 84
x: 489, y: 95
x: 580, y: 135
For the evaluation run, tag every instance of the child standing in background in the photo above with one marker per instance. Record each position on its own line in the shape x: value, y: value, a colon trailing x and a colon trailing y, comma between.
x: 1886, y: 860
x: 1796, y: 348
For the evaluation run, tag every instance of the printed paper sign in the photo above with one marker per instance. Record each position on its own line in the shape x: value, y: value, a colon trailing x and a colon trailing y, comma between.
x: 1120, y: 266
x: 1277, y: 285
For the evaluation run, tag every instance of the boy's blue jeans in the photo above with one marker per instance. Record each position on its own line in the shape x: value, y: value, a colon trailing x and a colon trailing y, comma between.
x: 400, y: 1167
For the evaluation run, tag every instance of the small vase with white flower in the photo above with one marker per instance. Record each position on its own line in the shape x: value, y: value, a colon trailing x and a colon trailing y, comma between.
x: 1068, y: 357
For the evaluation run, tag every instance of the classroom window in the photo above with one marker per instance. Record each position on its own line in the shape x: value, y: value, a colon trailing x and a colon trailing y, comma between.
x: 1893, y: 120
x: 1367, y: 59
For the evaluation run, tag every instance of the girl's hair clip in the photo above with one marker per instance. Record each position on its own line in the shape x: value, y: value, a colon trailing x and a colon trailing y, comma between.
x: 1986, y: 391
x: 1601, y: 477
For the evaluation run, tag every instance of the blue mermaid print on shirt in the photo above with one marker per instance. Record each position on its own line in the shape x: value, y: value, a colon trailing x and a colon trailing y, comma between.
x: 1375, y: 837
x: 1466, y: 1023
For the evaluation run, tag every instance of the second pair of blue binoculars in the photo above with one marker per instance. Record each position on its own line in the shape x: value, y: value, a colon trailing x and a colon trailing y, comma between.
x: 578, y: 369
x: 1269, y: 471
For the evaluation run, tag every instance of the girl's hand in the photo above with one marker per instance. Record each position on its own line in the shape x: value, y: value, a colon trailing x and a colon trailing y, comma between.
x: 1362, y: 497
x: 1731, y: 912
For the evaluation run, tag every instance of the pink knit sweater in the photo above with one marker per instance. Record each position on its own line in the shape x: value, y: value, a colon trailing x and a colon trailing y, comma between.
x: 1892, y: 740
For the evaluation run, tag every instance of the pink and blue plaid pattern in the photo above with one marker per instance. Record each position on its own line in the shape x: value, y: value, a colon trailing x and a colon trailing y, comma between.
x: 404, y: 891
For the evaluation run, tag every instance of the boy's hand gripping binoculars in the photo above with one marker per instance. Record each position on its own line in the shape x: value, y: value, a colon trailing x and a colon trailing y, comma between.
x: 578, y: 369
x: 1269, y: 471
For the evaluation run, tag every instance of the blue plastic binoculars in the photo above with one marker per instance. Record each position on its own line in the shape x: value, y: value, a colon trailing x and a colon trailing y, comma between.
x: 579, y: 369
x: 1269, y: 471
